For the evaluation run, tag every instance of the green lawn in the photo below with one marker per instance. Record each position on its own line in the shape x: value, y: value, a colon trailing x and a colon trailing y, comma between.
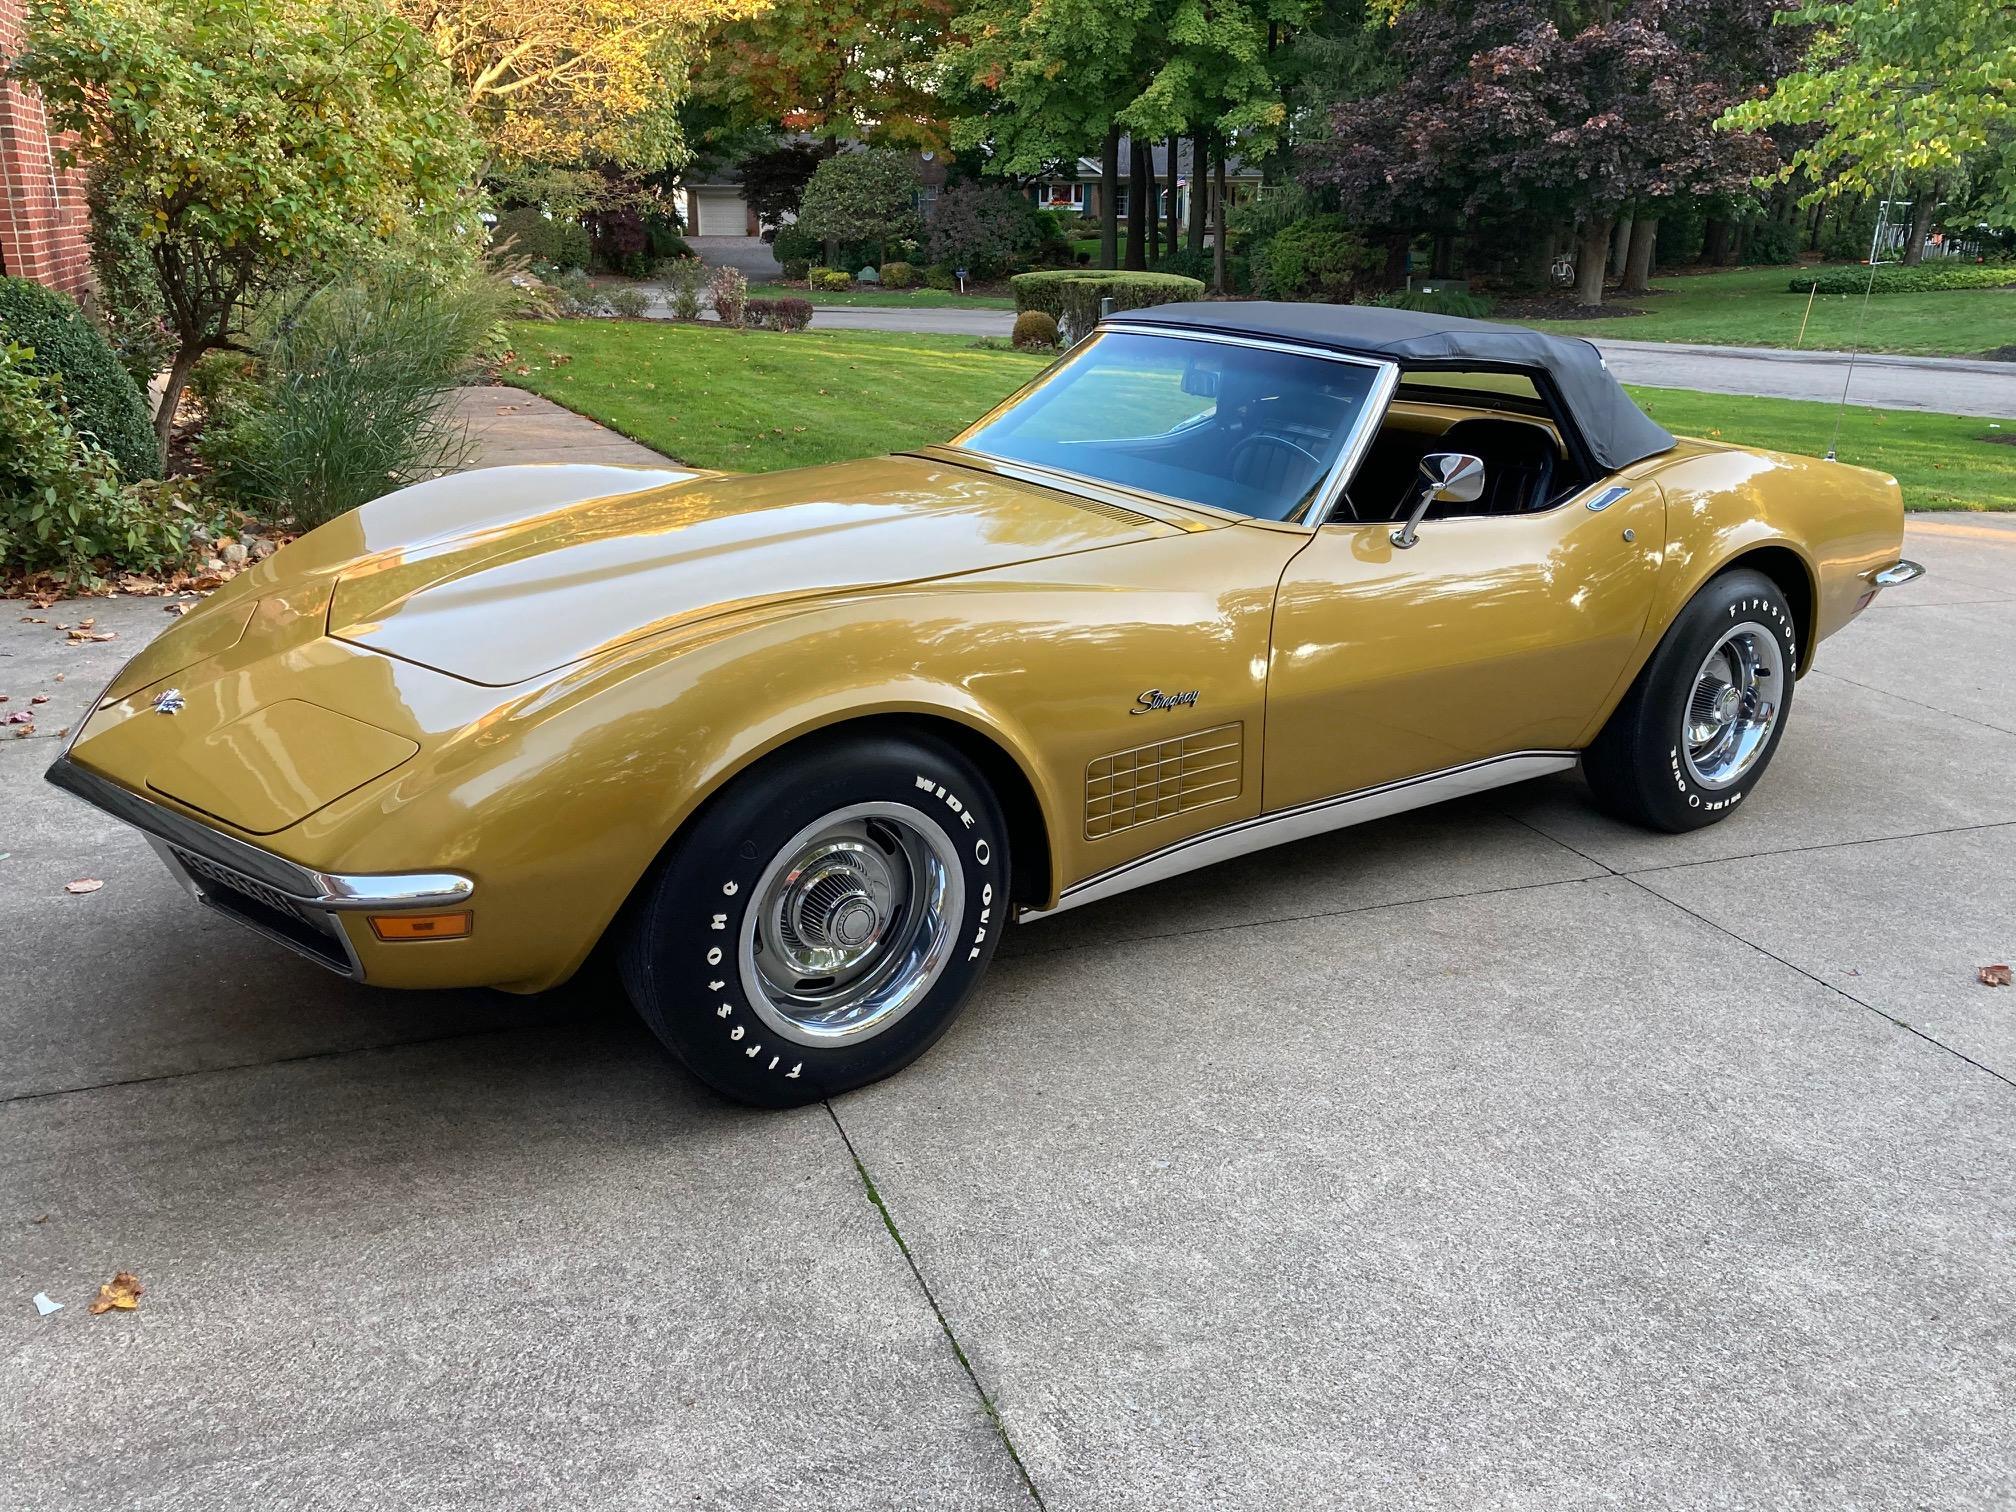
x: 750, y: 401
x: 1753, y: 307
x: 914, y: 299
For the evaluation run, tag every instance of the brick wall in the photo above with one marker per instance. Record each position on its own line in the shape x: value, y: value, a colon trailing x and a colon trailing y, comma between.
x: 43, y: 220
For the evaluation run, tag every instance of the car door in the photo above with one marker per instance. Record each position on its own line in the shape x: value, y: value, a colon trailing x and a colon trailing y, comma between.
x: 1488, y: 636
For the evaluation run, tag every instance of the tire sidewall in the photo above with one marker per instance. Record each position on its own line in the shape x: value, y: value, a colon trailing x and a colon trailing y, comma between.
x: 683, y: 968
x: 1726, y: 602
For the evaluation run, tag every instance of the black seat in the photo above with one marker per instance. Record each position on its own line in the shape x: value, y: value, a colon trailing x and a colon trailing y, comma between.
x: 1519, y: 462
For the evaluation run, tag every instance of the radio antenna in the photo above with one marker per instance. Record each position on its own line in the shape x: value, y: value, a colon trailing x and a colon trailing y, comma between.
x: 1862, y: 319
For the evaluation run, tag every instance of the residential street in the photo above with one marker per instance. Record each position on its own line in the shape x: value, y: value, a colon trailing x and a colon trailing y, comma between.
x: 1496, y: 1155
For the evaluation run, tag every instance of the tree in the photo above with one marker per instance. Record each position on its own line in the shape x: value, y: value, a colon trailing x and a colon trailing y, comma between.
x: 1923, y: 92
x: 774, y: 180
x: 250, y: 143
x: 983, y: 227
x: 861, y: 197
x: 837, y: 69
x: 565, y: 81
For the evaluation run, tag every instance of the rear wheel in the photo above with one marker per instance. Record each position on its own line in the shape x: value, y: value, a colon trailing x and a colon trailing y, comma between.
x: 823, y: 919
x: 1693, y: 736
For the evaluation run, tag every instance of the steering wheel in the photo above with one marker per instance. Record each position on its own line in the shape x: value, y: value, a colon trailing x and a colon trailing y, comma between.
x: 1271, y: 438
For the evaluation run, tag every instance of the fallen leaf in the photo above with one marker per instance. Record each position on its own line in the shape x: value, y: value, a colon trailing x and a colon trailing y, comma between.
x: 19, y: 716
x: 83, y: 885
x: 1994, y: 976
x: 39, y: 698
x: 122, y: 1291
x: 80, y: 635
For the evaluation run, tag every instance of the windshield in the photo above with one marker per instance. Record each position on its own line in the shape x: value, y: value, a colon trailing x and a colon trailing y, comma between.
x: 1243, y: 428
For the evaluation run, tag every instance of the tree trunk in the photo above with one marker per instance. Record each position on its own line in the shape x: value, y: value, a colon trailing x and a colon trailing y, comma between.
x: 1924, y: 211
x: 1218, y: 226
x: 1138, y: 179
x: 1172, y: 185
x: 1442, y: 263
x: 1638, y: 261
x: 1535, y: 270
x: 186, y: 357
x: 1620, y: 245
x: 1715, y: 241
x: 1109, y: 200
x: 1200, y: 193
x: 1590, y: 259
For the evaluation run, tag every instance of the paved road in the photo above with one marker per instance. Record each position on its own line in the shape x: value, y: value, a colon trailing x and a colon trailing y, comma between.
x: 1491, y: 1156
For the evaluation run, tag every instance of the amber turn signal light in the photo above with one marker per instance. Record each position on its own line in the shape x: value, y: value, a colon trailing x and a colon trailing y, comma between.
x: 410, y: 926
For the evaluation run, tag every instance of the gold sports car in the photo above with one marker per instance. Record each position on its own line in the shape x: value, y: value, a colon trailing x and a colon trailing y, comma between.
x: 800, y: 746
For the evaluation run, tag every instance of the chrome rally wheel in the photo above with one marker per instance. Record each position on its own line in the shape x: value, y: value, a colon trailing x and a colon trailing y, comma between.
x: 1693, y: 735
x: 821, y: 920
x: 1733, y: 705
x: 852, y: 923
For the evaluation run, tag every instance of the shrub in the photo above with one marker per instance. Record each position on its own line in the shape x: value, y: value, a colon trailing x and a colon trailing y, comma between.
x: 101, y: 398
x: 795, y: 269
x: 792, y: 314
x: 986, y: 229
x: 1437, y: 302
x: 355, y: 399
x: 127, y: 305
x: 573, y: 294
x: 940, y: 276
x: 540, y: 239
x: 1035, y: 328
x: 1250, y: 226
x: 1894, y: 278
x: 759, y: 314
x: 225, y: 383
x: 618, y: 236
x: 1188, y: 264
x: 899, y: 275
x: 830, y: 280
x: 1073, y: 295
x: 684, y: 277
x: 730, y: 292
x: 62, y: 504
x: 1769, y: 243
x: 795, y: 244
x: 1318, y: 257
x: 861, y: 197
x: 629, y: 304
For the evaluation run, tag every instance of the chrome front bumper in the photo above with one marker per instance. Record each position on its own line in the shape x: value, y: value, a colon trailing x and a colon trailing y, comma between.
x: 288, y: 903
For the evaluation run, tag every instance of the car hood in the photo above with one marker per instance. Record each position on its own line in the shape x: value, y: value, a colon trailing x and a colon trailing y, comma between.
x: 504, y: 601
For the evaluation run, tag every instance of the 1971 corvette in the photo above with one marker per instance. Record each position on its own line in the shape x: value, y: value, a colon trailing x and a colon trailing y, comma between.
x: 800, y: 746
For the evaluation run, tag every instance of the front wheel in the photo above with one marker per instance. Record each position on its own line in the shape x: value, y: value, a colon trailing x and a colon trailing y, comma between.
x: 821, y: 922
x: 1693, y: 736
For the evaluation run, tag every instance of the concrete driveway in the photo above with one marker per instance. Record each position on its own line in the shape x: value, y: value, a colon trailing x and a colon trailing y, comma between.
x: 1496, y: 1156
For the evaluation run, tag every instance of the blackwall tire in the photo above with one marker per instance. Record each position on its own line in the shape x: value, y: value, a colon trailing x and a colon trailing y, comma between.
x: 1694, y: 735
x: 821, y: 922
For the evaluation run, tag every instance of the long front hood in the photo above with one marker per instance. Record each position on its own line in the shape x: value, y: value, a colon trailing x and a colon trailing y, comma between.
x: 507, y: 601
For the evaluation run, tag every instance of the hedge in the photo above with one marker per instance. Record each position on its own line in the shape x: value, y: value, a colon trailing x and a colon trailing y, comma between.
x: 1073, y: 295
x: 101, y: 398
x: 1895, y: 278
x: 528, y: 233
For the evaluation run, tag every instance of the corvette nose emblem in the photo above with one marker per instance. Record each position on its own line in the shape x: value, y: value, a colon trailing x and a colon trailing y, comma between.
x: 169, y: 701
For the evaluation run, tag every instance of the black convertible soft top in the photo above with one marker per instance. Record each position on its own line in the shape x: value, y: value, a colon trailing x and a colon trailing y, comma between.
x: 1616, y: 432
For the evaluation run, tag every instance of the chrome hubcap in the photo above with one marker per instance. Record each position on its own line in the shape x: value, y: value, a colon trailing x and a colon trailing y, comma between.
x: 1733, y: 705
x: 852, y: 923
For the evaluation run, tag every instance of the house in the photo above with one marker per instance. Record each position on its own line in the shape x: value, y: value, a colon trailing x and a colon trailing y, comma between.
x: 44, y: 222
x: 1074, y: 189
x: 711, y: 202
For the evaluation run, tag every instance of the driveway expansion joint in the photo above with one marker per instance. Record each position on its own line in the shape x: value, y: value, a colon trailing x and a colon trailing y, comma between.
x: 931, y: 1300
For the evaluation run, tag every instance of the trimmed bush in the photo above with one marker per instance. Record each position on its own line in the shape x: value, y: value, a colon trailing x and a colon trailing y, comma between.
x: 1894, y: 278
x: 629, y: 304
x: 940, y: 276
x: 101, y: 399
x: 1035, y: 328
x: 830, y: 280
x: 1188, y: 264
x: 1437, y: 302
x: 1073, y: 295
x: 795, y: 269
x: 899, y: 275
x: 794, y: 244
x: 1318, y: 257
x: 759, y: 314
x: 530, y: 233
x: 792, y: 314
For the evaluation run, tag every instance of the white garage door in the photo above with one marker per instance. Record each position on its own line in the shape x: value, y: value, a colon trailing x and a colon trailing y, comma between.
x: 720, y: 212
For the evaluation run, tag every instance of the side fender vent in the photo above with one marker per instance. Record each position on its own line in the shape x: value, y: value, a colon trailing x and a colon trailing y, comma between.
x: 1149, y: 782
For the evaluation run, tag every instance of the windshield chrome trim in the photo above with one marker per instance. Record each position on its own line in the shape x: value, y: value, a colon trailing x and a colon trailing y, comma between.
x: 1323, y: 498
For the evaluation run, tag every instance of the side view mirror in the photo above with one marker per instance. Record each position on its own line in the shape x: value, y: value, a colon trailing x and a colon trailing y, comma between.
x: 1446, y: 478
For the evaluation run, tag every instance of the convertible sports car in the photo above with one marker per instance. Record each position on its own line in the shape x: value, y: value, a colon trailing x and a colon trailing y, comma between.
x: 801, y: 746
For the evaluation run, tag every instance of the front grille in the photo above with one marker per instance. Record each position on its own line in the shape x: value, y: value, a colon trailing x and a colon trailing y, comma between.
x: 1169, y: 777
x: 225, y: 876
